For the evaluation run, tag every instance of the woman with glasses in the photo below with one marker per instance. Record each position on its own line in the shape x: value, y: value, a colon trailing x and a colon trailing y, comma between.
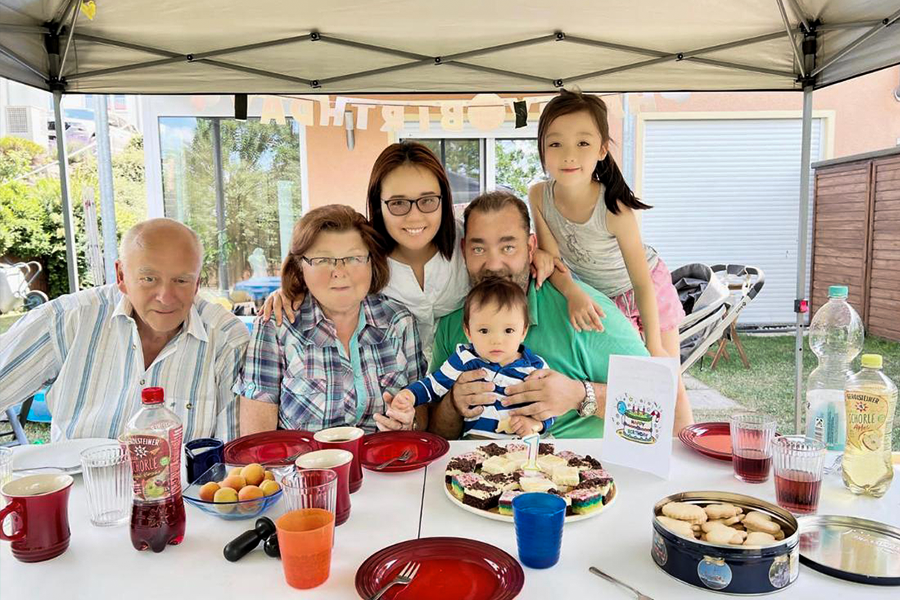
x: 349, y: 348
x: 411, y: 206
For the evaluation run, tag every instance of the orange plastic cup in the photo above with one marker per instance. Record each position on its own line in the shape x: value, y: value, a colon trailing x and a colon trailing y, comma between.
x: 305, y: 538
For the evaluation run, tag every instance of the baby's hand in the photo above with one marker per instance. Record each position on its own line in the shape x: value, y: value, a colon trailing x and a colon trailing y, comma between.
x: 584, y: 313
x: 523, y: 426
x: 404, y: 401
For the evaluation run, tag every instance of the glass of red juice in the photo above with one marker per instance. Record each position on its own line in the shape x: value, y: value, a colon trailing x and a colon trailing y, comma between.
x: 751, y: 446
x: 799, y: 463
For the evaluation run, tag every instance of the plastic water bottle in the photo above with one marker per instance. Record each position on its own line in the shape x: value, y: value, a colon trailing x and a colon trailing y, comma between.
x: 836, y: 336
x: 153, y: 437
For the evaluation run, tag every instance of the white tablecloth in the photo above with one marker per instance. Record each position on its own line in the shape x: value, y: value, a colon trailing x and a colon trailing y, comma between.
x: 101, y: 564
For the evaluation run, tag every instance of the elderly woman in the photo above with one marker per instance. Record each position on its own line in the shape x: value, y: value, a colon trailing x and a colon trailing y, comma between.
x: 348, y: 350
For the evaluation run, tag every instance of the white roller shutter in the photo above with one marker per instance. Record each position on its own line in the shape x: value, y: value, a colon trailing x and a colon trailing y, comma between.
x: 727, y: 191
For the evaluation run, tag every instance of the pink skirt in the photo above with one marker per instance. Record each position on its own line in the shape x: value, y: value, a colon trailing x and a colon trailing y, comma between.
x: 670, y: 310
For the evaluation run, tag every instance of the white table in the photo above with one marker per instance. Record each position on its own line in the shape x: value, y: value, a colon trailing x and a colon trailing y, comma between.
x: 101, y: 563
x: 618, y: 541
x: 389, y: 508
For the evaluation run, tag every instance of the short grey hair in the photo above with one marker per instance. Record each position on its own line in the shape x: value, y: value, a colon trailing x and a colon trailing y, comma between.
x: 133, y: 237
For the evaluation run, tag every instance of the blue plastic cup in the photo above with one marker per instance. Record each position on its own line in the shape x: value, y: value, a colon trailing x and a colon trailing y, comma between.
x: 539, y: 520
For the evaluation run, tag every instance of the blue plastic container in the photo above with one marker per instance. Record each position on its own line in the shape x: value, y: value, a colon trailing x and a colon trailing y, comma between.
x: 539, y: 520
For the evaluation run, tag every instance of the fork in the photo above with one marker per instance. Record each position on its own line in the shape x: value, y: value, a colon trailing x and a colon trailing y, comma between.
x: 404, y: 456
x: 405, y: 576
x: 612, y: 579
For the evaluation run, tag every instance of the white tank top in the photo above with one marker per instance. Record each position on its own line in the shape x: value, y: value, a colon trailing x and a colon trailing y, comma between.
x: 589, y: 249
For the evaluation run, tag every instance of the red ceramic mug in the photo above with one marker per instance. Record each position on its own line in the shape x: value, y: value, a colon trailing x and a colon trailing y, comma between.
x: 344, y: 438
x: 39, y: 506
x: 338, y: 461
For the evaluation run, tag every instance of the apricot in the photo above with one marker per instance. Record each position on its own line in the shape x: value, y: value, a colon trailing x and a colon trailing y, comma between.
x: 226, y: 496
x: 250, y: 492
x: 269, y: 487
x: 235, y: 472
x: 208, y: 491
x: 253, y: 473
x: 235, y: 482
x: 270, y: 476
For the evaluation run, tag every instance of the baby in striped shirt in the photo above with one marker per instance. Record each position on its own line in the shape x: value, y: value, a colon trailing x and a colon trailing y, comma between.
x: 495, y: 319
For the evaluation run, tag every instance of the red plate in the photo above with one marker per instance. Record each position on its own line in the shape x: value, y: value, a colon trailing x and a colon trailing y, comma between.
x: 451, y: 569
x: 268, y: 447
x: 380, y: 447
x: 710, y: 439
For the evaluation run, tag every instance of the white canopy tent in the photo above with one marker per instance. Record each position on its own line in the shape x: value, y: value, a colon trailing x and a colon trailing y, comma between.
x: 409, y: 46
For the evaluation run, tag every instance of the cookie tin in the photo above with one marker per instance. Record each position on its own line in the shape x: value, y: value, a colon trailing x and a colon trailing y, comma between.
x: 724, y: 568
x: 849, y: 548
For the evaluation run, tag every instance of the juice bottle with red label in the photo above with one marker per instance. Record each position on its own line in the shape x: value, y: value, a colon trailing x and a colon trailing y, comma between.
x: 153, y: 438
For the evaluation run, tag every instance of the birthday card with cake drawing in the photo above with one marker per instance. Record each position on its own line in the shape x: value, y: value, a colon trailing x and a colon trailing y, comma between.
x: 640, y: 413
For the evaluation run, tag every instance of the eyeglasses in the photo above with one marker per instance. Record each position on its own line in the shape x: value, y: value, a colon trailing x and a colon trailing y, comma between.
x: 401, y: 206
x: 319, y: 262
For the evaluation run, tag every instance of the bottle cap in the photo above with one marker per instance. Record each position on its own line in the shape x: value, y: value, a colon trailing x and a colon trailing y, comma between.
x: 837, y: 291
x: 871, y: 361
x: 152, y: 395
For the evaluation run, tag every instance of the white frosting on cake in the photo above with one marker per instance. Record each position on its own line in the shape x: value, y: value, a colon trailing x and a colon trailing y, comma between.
x: 564, y: 475
x: 498, y: 464
x: 536, y: 484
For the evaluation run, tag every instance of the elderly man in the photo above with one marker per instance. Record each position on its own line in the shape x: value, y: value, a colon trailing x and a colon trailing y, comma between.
x: 498, y: 243
x: 100, y: 347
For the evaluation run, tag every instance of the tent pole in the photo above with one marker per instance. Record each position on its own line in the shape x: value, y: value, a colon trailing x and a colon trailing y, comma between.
x: 802, y: 237
x: 71, y: 261
x: 107, y: 193
x: 219, y: 178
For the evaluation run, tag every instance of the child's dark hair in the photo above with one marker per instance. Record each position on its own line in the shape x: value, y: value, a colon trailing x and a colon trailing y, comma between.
x: 607, y: 171
x: 495, y: 290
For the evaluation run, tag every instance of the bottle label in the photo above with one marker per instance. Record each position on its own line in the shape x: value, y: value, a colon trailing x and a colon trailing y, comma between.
x: 867, y: 416
x: 155, y: 467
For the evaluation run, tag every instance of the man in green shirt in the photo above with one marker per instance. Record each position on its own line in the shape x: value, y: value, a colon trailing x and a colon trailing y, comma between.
x: 498, y: 243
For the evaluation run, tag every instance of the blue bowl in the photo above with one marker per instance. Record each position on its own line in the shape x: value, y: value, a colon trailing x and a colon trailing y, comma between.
x: 230, y: 511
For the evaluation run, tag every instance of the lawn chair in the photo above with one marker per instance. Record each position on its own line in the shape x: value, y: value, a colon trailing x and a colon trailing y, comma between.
x: 17, y: 425
x: 15, y: 290
x: 713, y: 298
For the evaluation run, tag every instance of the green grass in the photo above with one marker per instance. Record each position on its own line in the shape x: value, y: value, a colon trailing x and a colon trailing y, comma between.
x: 768, y: 386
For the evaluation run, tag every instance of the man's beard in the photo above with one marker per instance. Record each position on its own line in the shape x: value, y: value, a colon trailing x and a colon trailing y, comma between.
x: 521, y: 278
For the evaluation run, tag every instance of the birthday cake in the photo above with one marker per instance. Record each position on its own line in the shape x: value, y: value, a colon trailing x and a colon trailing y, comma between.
x: 637, y: 426
x: 491, y: 476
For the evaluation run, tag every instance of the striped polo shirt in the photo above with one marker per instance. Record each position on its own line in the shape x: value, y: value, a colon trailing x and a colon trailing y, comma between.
x: 87, y: 347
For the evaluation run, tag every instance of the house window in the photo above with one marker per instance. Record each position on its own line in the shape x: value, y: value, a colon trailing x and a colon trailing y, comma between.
x: 260, y: 172
x: 477, y: 165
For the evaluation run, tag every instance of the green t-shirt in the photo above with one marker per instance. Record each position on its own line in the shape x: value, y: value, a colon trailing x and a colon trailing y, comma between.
x: 579, y: 355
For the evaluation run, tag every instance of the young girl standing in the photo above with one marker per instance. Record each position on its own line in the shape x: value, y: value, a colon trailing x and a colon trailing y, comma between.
x: 585, y: 214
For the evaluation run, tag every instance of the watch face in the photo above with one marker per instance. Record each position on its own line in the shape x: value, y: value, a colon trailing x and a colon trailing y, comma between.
x: 588, y: 407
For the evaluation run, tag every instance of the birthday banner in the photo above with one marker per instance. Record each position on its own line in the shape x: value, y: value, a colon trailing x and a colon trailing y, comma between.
x: 484, y: 112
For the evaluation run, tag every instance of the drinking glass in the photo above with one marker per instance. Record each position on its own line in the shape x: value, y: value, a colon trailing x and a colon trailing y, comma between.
x: 310, y: 488
x: 799, y: 463
x: 539, y: 520
x: 107, y: 478
x: 6, y: 457
x: 751, y: 446
x: 305, y: 540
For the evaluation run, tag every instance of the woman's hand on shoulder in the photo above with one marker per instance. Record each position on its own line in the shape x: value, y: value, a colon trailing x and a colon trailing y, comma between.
x: 279, y: 304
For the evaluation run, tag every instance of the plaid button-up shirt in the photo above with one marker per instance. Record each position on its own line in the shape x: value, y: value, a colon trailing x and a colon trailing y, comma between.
x: 303, y: 367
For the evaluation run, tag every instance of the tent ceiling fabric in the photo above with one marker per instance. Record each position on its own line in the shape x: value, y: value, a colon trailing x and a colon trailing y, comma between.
x: 346, y: 59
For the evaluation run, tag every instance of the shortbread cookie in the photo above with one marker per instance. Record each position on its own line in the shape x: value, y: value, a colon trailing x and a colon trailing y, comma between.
x: 735, y: 520
x: 721, y: 511
x: 757, y: 521
x: 682, y: 528
x: 758, y: 538
x: 722, y: 534
x: 503, y: 426
x: 685, y: 512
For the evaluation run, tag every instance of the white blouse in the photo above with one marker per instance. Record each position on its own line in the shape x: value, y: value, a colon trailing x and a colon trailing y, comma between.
x: 446, y: 286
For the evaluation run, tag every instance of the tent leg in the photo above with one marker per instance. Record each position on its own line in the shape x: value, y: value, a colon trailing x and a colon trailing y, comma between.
x: 107, y: 193
x: 803, y: 235
x: 220, y: 201
x: 71, y: 261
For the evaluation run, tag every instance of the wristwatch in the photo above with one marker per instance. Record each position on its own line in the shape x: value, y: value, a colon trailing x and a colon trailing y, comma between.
x: 589, y: 404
